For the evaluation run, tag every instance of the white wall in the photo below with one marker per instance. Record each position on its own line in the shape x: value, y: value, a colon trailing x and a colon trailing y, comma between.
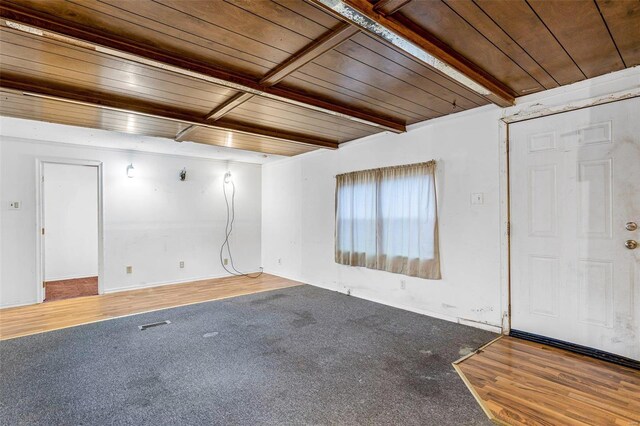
x: 298, y: 208
x: 298, y: 217
x: 151, y: 222
x: 71, y: 221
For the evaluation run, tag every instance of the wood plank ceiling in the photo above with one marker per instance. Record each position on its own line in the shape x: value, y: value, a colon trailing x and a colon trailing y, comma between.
x: 289, y: 76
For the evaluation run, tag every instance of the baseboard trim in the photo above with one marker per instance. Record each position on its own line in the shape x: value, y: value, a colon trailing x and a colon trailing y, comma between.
x: 17, y: 305
x: 450, y: 318
x: 481, y: 325
x: 136, y: 287
x: 572, y: 347
x: 292, y: 278
x: 471, y: 323
x: 163, y: 283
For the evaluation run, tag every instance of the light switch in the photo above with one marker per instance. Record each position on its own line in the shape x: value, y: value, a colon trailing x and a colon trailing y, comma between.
x: 15, y: 205
x: 477, y: 198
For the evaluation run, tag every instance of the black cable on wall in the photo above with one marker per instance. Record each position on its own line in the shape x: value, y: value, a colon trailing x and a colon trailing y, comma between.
x: 231, y: 215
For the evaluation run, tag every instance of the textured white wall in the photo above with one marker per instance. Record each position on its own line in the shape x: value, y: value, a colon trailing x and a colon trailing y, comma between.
x: 71, y: 221
x: 298, y: 217
x: 298, y: 208
x: 151, y: 222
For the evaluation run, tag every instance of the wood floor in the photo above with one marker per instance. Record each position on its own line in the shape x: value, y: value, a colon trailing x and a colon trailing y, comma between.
x: 67, y: 289
x: 32, y: 319
x: 524, y: 383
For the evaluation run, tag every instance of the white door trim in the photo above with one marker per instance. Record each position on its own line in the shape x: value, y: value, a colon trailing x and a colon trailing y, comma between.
x: 40, y: 162
x: 543, y: 111
x: 505, y: 242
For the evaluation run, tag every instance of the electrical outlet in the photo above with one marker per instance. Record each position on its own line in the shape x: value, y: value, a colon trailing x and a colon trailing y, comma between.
x: 182, y: 263
x: 15, y: 205
x: 226, y: 261
x: 403, y: 284
x: 280, y: 261
x: 129, y: 269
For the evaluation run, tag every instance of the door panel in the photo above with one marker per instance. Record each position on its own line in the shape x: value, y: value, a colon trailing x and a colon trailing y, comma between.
x: 575, y: 183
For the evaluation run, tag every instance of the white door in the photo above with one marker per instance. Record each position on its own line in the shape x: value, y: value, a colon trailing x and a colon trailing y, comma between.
x: 574, y: 187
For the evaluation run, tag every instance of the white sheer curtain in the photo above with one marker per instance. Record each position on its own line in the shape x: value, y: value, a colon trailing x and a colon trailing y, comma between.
x: 356, y: 219
x: 387, y: 219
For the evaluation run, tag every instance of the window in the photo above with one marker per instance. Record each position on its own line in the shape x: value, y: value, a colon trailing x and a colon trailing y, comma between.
x: 386, y: 219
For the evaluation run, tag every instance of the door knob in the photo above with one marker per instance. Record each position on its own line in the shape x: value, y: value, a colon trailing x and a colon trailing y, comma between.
x: 631, y: 244
x: 631, y: 226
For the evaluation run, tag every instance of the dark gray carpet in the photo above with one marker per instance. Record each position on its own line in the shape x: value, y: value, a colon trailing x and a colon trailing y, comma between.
x: 295, y: 356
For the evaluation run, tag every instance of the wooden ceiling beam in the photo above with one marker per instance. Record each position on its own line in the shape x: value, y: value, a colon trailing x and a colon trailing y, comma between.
x: 389, y: 7
x: 234, y: 101
x: 328, y: 41
x: 414, y: 40
x: 229, y: 105
x: 112, y: 102
x: 24, y: 19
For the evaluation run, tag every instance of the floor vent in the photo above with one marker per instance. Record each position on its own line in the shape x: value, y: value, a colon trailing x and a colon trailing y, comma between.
x: 155, y: 324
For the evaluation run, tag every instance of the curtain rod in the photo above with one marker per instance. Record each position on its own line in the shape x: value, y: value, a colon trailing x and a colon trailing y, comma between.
x: 424, y: 163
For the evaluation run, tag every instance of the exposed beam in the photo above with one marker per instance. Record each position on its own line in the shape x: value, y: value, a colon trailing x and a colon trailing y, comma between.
x: 112, y: 102
x: 389, y: 7
x: 181, y: 136
x: 316, y: 48
x: 325, y: 43
x: 24, y: 19
x: 406, y: 35
x: 230, y: 104
x: 227, y: 106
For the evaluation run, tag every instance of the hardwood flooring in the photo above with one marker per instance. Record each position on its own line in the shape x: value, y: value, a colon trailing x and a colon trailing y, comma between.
x: 524, y: 383
x: 67, y: 289
x: 32, y: 319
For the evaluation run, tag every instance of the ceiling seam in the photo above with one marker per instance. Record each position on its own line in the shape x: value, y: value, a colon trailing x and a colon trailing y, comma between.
x: 556, y: 38
x: 516, y: 42
x: 494, y: 45
x: 613, y: 40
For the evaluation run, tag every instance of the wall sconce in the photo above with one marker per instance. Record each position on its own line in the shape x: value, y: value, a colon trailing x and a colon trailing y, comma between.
x: 131, y: 171
x: 183, y: 174
x: 227, y: 176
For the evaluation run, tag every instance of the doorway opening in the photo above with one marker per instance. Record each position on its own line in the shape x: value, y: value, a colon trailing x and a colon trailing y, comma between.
x: 70, y: 230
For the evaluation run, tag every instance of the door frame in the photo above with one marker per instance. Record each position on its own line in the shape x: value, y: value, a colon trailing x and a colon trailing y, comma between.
x: 516, y: 116
x: 40, y: 163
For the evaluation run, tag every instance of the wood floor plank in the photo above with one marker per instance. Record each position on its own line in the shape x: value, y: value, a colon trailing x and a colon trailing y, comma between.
x: 590, y: 366
x: 32, y: 319
x: 560, y: 379
x: 525, y: 383
x: 70, y: 288
x: 550, y: 399
x: 566, y: 385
